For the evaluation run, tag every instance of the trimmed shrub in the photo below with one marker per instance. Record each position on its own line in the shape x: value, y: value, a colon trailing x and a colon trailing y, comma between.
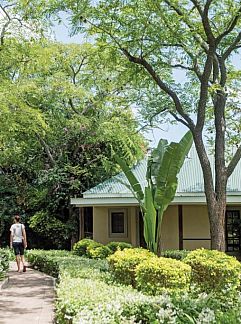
x: 98, y: 252
x: 114, y: 246
x: 214, y: 271
x: 175, y: 254
x: 94, y: 245
x: 155, y: 275
x: 123, y: 264
x: 80, y: 248
x: 58, y: 264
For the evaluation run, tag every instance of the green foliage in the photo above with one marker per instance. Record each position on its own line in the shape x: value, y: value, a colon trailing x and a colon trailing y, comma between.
x: 156, y: 275
x: 163, y: 167
x: 114, y: 246
x: 85, y: 293
x: 5, y: 257
x: 214, y: 271
x: 57, y: 263
x: 175, y: 254
x: 123, y: 264
x: 58, y: 139
x: 98, y: 252
x: 49, y: 226
x: 147, y: 43
x: 80, y: 248
x: 95, y: 250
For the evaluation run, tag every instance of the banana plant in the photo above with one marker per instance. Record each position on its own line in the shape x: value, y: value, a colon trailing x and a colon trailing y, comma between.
x: 163, y: 167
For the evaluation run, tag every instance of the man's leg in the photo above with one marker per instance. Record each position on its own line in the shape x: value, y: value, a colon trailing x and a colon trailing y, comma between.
x: 23, y: 262
x: 22, y: 257
x: 18, y: 261
x: 17, y: 254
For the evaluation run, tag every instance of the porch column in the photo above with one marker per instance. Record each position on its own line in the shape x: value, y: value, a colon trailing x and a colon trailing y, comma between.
x: 81, y: 223
x: 180, y: 226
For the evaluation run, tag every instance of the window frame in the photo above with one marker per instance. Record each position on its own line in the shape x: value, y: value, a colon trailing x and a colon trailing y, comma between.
x: 118, y: 210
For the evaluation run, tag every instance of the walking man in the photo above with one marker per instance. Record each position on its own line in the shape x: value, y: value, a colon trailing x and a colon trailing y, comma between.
x: 18, y: 241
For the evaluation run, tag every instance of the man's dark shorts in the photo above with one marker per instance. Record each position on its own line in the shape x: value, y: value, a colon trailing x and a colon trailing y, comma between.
x: 18, y: 248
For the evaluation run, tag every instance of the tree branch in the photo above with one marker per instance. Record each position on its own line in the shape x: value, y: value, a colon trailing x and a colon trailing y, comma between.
x: 5, y: 26
x: 197, y: 6
x: 75, y: 73
x: 188, y: 68
x: 203, y: 97
x: 47, y: 149
x: 179, y: 119
x: 195, y: 34
x: 232, y: 25
x: 233, y: 163
x: 206, y: 23
x: 163, y: 86
x: 231, y: 47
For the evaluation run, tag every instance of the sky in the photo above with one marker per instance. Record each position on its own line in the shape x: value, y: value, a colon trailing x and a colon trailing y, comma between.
x: 169, y: 132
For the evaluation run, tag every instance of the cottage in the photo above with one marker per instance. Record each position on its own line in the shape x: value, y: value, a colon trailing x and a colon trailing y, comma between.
x: 110, y: 212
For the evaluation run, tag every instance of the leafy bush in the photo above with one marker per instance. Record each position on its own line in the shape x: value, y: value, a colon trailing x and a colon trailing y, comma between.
x: 214, y: 271
x: 84, y: 296
x: 155, y: 275
x: 5, y: 256
x: 114, y: 246
x: 93, y: 301
x: 50, y: 227
x: 91, y: 247
x: 87, y: 301
x: 175, y: 254
x: 57, y: 263
x: 123, y: 264
x: 98, y: 252
x: 80, y: 248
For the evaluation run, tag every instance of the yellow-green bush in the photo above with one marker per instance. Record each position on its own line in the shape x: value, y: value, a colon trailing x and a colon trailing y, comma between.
x: 214, y: 270
x: 155, y: 275
x: 98, y: 252
x: 123, y: 263
x: 80, y: 248
x: 114, y: 246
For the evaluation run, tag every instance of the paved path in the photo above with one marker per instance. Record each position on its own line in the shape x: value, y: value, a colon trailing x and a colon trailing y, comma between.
x: 27, y: 298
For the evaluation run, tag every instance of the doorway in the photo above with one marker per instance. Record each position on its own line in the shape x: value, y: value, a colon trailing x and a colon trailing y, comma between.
x: 88, y: 222
x: 142, y: 242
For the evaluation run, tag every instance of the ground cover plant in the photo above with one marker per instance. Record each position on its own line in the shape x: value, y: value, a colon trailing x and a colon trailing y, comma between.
x: 87, y: 293
x: 5, y: 256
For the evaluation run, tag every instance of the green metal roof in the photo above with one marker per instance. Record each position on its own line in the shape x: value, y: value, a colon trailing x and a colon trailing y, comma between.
x: 190, y: 180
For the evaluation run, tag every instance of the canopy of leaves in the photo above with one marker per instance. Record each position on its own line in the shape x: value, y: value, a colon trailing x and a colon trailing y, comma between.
x: 61, y: 116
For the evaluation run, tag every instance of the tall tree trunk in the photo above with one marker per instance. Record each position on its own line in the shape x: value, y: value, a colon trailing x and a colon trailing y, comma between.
x: 215, y: 196
x: 217, y: 224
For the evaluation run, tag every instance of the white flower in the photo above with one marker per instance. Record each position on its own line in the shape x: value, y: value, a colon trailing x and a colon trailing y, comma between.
x: 206, y: 316
x: 167, y: 315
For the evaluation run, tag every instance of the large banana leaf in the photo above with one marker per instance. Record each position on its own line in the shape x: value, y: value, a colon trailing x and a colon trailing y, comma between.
x: 155, y: 160
x: 162, y: 169
x: 136, y: 187
x: 166, y: 181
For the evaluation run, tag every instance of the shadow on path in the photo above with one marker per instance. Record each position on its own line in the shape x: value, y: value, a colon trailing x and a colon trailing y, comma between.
x: 28, y: 298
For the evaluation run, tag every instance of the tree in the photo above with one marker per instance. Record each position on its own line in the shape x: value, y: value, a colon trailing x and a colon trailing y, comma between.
x: 163, y: 167
x: 202, y: 39
x: 60, y: 119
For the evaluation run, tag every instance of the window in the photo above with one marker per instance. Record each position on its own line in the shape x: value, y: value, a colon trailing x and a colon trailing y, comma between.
x: 118, y: 223
x: 233, y: 234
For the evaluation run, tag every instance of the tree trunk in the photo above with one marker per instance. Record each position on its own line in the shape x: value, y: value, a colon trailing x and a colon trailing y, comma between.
x: 217, y: 214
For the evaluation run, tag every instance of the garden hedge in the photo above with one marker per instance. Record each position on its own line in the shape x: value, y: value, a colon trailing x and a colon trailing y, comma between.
x: 156, y: 275
x: 214, y: 270
x: 123, y: 264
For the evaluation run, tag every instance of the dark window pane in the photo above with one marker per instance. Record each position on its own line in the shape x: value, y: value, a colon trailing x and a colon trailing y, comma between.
x: 233, y: 230
x: 117, y: 222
